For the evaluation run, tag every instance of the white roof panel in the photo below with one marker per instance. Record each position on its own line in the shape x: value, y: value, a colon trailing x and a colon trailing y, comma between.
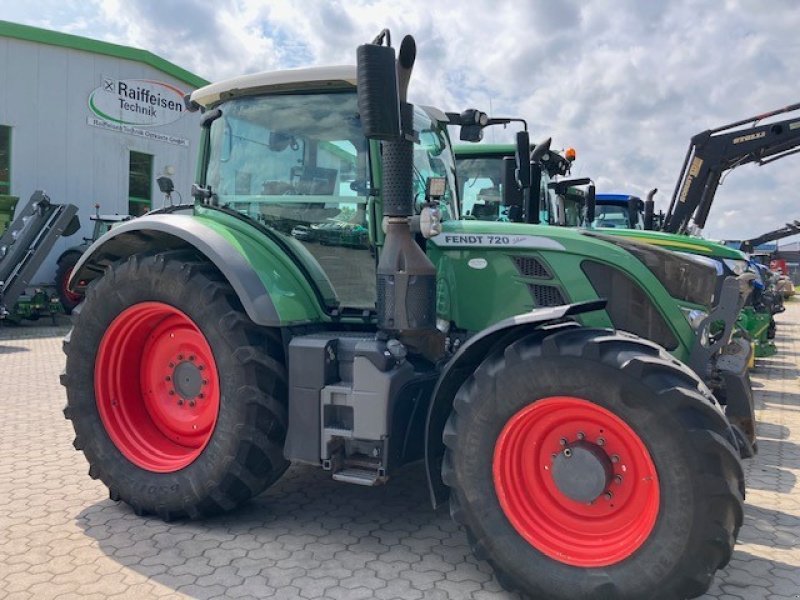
x: 308, y: 78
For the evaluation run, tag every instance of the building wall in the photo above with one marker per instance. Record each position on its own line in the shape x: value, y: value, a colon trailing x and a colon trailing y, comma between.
x: 45, y: 99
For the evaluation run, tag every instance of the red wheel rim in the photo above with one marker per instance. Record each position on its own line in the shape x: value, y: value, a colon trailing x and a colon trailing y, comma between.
x: 157, y: 387
x: 68, y: 294
x: 599, y: 533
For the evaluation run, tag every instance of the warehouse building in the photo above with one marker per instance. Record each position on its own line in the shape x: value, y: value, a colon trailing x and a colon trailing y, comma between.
x: 91, y: 123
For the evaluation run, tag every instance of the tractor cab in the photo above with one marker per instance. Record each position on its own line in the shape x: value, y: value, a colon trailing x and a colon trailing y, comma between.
x: 298, y: 164
x: 615, y: 211
x: 481, y: 182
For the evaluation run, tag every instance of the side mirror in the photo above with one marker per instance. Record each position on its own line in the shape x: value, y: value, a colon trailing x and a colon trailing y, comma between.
x: 512, y: 194
x: 590, y: 205
x: 73, y: 226
x: 523, y: 174
x: 378, y: 94
x: 540, y: 150
x: 535, y: 193
x: 470, y: 133
x: 165, y: 184
x: 650, y: 210
x: 633, y: 211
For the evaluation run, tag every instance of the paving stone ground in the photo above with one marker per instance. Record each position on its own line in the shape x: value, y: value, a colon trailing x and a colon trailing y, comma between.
x: 308, y: 536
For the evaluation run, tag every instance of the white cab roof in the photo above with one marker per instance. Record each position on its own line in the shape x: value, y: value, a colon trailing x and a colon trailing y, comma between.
x: 290, y: 79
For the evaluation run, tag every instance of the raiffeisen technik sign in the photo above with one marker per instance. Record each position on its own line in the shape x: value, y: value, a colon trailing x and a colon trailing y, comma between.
x: 139, y: 102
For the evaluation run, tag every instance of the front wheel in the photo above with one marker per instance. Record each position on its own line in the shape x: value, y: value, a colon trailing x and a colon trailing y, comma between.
x: 69, y: 299
x: 177, y: 399
x: 587, y: 464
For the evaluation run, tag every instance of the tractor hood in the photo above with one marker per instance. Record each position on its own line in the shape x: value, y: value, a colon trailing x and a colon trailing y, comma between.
x: 678, y: 243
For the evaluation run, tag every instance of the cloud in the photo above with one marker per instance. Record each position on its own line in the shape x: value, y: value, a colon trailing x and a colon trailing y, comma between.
x: 625, y: 82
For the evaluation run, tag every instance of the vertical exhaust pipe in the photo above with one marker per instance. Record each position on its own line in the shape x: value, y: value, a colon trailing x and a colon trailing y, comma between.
x: 406, y: 278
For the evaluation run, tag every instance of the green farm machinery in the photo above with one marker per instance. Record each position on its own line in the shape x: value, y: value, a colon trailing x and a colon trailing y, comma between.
x: 23, y: 247
x: 214, y: 347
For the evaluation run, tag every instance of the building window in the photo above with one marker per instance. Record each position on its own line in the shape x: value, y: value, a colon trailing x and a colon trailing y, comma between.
x: 140, y: 183
x: 5, y: 160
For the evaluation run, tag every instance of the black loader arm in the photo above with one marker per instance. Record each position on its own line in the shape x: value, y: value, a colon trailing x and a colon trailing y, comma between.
x: 788, y: 230
x: 713, y: 152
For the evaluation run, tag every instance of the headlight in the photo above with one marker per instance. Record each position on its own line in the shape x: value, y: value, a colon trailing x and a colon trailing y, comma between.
x: 704, y: 260
x: 694, y: 316
x: 692, y: 280
x: 737, y: 266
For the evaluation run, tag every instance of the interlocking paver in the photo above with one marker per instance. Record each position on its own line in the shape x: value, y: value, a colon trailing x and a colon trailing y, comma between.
x: 308, y: 536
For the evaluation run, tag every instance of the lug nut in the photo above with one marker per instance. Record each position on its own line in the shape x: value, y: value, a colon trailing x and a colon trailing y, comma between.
x: 180, y: 356
x: 601, y: 441
x: 167, y: 378
x: 563, y: 441
x: 180, y: 402
x: 608, y: 496
x: 191, y: 402
x: 172, y: 392
x: 172, y: 365
x: 617, y: 479
x: 615, y: 458
x: 191, y: 358
x: 201, y: 367
x: 581, y: 435
x: 567, y: 453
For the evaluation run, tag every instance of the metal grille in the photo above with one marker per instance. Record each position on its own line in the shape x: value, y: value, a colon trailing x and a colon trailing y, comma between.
x: 546, y: 295
x: 629, y: 307
x: 529, y: 266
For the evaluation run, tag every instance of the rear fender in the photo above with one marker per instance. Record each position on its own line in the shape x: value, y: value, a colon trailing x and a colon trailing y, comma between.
x: 275, y: 296
x: 464, y: 363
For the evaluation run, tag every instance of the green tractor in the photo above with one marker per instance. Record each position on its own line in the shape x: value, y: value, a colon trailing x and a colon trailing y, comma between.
x: 214, y: 347
x: 713, y: 347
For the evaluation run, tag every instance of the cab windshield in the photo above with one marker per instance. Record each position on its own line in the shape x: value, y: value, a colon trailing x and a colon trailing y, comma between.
x: 299, y: 164
x: 615, y: 216
x: 480, y: 188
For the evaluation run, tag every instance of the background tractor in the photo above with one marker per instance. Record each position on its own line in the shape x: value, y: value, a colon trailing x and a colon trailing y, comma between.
x: 214, y: 347
x: 69, y: 258
x: 711, y: 346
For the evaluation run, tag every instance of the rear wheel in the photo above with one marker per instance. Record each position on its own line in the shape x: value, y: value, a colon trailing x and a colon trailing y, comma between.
x: 590, y: 464
x: 178, y: 401
x: 69, y: 299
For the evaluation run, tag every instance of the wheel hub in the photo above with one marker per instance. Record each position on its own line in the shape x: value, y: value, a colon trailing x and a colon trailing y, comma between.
x: 576, y: 481
x: 188, y: 380
x: 582, y: 471
x: 157, y: 387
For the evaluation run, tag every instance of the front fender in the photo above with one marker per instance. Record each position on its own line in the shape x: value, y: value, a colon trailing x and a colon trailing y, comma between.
x: 270, y: 290
x: 464, y: 363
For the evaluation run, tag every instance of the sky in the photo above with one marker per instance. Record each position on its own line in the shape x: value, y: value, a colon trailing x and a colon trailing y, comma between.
x: 625, y: 82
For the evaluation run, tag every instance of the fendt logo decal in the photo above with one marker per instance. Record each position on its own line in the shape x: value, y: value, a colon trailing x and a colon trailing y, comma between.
x: 750, y: 137
x: 141, y: 102
x: 694, y: 171
x: 484, y: 240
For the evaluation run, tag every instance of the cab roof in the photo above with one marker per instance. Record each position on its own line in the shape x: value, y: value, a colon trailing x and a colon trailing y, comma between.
x: 614, y: 198
x: 307, y: 79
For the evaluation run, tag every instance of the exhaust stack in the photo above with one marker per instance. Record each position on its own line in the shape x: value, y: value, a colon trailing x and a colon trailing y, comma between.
x: 406, y: 278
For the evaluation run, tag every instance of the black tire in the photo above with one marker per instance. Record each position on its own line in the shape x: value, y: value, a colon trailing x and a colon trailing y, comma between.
x: 244, y: 454
x: 66, y: 263
x: 700, y: 476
